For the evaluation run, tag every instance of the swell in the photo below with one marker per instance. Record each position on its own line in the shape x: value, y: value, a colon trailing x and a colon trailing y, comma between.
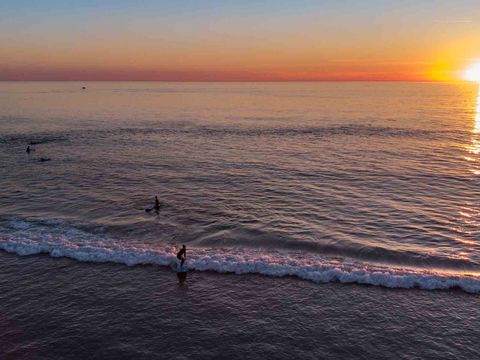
x: 191, y: 129
x: 26, y: 239
x: 370, y: 253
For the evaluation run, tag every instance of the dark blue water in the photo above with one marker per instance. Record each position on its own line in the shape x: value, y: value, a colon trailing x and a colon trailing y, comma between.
x: 63, y: 309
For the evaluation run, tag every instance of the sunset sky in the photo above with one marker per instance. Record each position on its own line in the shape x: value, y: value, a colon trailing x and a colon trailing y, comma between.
x: 238, y: 40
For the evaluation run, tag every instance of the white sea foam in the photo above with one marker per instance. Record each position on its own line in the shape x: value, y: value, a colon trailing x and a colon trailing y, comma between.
x: 81, y: 246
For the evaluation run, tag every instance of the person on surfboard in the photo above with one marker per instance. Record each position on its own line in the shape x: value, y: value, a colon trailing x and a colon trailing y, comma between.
x: 155, y: 207
x: 182, y: 255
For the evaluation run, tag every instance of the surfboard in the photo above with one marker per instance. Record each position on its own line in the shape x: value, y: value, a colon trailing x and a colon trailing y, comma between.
x: 151, y: 209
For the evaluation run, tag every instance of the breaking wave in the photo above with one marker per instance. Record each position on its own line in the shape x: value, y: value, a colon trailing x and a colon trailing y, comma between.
x: 27, y: 238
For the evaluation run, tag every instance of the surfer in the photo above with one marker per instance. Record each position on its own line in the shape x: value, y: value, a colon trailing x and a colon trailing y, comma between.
x: 28, y: 149
x: 182, y: 255
x: 155, y: 207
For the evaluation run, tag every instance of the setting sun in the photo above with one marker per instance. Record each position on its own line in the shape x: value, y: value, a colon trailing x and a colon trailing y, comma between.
x: 472, y: 73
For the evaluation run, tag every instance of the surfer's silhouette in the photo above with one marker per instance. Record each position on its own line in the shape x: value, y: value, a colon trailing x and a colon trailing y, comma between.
x: 28, y: 149
x: 182, y: 255
x: 155, y: 207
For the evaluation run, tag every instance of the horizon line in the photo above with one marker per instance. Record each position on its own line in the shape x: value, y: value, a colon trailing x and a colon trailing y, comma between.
x: 238, y: 81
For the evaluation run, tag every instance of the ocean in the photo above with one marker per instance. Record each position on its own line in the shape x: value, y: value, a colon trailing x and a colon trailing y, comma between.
x: 321, y: 219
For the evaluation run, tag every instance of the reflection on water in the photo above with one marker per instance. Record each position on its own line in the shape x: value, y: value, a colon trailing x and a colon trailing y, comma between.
x: 469, y: 214
x: 474, y: 148
x: 476, y: 130
x: 369, y: 171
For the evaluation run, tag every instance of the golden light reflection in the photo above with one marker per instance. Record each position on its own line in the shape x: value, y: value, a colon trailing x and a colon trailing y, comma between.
x: 470, y: 214
x: 474, y: 148
x: 465, y: 241
x: 476, y: 130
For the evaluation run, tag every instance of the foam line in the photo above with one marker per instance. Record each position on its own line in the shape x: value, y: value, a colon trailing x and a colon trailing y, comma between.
x: 244, y: 261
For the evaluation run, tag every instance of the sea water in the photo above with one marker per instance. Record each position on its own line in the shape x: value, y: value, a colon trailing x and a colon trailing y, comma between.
x: 362, y: 182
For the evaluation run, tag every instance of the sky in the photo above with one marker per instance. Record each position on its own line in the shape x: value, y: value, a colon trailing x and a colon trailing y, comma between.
x: 244, y: 40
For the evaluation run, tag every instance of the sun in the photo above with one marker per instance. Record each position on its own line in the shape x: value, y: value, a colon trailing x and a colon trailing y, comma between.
x: 472, y: 73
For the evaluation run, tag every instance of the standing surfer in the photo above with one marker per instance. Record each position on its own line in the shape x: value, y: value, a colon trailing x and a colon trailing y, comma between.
x: 182, y: 255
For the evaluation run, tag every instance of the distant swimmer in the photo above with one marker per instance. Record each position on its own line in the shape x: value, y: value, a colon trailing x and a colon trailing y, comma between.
x: 83, y: 87
x: 44, y: 159
x: 182, y: 255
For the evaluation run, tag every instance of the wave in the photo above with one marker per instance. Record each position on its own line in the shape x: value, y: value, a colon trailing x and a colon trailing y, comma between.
x: 25, y: 238
x: 32, y: 139
x: 187, y: 128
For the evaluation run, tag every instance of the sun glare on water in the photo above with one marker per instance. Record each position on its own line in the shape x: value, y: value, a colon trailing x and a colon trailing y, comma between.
x: 472, y: 73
